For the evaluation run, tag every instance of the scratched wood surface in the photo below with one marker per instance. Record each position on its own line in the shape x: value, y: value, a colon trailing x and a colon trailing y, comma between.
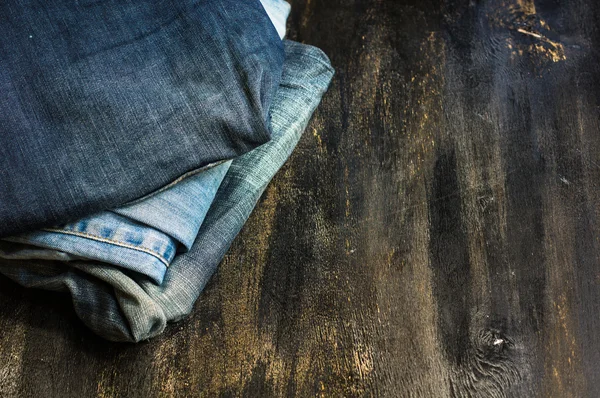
x: 435, y: 234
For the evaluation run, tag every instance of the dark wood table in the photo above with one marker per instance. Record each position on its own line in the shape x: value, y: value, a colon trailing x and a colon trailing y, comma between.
x: 435, y: 234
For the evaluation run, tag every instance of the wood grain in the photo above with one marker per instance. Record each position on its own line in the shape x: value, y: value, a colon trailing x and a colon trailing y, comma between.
x: 435, y: 234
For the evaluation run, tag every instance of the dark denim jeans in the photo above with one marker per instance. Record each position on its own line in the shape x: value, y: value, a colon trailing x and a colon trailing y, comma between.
x: 143, y: 236
x: 103, y: 102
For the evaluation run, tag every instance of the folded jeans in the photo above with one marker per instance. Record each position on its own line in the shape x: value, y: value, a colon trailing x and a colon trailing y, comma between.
x: 123, y: 306
x: 104, y: 102
x: 143, y: 236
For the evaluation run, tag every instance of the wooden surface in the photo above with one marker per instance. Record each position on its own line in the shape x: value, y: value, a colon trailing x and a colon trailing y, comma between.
x: 435, y: 234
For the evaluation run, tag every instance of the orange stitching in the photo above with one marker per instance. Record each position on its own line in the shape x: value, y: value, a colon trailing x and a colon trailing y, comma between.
x: 106, y: 240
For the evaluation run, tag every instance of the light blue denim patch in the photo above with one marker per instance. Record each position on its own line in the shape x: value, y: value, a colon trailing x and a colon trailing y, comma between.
x: 179, y: 210
x: 278, y: 11
x: 143, y: 236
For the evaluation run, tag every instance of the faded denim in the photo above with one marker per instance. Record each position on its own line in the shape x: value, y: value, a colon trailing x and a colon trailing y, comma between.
x: 104, y: 102
x: 122, y: 306
x: 142, y: 237
x: 278, y: 11
x: 105, y: 237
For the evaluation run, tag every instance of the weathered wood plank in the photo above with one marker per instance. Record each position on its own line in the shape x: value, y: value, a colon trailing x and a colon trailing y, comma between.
x: 436, y: 232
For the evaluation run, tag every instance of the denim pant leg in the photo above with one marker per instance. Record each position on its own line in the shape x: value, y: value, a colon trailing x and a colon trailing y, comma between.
x: 105, y: 102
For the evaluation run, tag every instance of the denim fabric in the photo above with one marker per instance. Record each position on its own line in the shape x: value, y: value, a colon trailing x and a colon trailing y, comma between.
x: 105, y: 237
x: 278, y: 11
x: 179, y: 210
x: 149, y: 232
x: 121, y: 306
x: 103, y: 102
x: 142, y: 237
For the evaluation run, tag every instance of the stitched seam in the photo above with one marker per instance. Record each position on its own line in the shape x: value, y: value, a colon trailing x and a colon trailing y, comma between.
x: 106, y: 240
x: 176, y: 181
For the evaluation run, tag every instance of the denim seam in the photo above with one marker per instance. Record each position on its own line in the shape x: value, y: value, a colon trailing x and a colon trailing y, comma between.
x: 177, y: 181
x: 106, y: 240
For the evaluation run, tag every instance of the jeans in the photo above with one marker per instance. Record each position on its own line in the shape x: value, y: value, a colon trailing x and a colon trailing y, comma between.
x: 124, y: 306
x: 104, y: 102
x: 143, y: 236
